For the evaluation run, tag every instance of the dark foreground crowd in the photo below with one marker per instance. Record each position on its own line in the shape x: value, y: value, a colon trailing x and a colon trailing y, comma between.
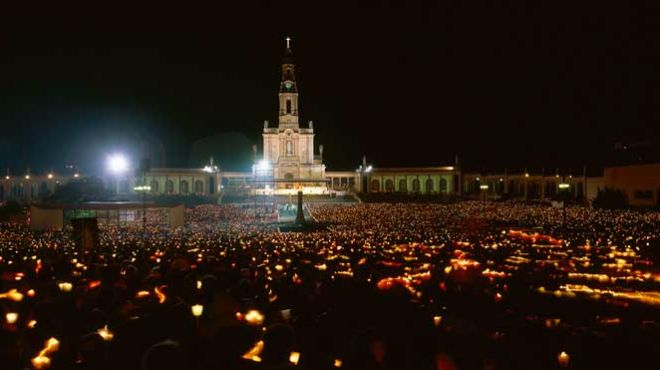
x: 379, y: 286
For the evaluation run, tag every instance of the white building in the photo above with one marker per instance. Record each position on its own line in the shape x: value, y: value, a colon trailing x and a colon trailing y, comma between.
x: 289, y: 163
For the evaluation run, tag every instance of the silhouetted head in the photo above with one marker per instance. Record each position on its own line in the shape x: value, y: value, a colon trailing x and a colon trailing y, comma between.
x: 278, y: 343
x: 165, y: 355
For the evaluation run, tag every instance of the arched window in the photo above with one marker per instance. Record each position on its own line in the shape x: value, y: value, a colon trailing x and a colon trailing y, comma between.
x: 289, y: 148
x: 288, y: 106
x: 443, y: 185
x: 169, y: 186
x: 375, y: 185
x: 211, y: 185
x: 403, y: 186
x: 389, y: 185
x: 154, y: 186
x: 415, y: 185
x: 429, y: 186
x: 199, y: 187
x: 43, y: 189
x: 184, y: 187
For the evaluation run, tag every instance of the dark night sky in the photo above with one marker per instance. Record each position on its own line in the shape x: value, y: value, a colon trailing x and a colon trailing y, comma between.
x: 408, y: 83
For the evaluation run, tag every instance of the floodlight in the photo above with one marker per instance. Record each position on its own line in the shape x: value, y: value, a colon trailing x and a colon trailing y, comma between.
x: 117, y: 163
x: 263, y: 165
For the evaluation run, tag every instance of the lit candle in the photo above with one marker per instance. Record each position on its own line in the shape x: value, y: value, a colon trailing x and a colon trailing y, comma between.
x: 11, y: 317
x: 197, y: 310
x: 294, y: 357
x: 106, y: 334
x: 563, y: 359
x: 254, y: 317
x: 13, y: 295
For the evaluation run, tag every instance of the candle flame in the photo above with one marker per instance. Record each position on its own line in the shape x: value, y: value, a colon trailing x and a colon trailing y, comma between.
x: 294, y: 357
x: 159, y: 293
x: 197, y: 310
x: 254, y: 317
x: 254, y: 352
x: 105, y: 333
x: 13, y: 295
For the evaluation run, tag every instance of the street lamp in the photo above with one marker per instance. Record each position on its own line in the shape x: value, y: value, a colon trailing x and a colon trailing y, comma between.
x: 484, y: 188
x: 117, y: 163
x: 363, y: 170
x: 563, y: 189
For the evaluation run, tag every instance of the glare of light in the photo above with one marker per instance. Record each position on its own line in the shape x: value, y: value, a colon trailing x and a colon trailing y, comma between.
x: 197, y: 310
x: 526, y: 174
x: 294, y: 357
x: 263, y: 165
x: 210, y: 169
x: 65, y: 287
x: 27, y: 177
x: 105, y: 333
x: 564, y: 185
x: 7, y: 177
x: 31, y: 324
x: 50, y: 175
x: 483, y: 187
x: 117, y: 163
x: 142, y: 188
x: 369, y: 168
x: 501, y: 179
x: 76, y: 175
x: 437, y: 320
x: 11, y: 317
x: 338, y: 362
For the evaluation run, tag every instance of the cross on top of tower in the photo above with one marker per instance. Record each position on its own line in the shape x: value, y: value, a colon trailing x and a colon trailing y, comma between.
x: 288, y: 42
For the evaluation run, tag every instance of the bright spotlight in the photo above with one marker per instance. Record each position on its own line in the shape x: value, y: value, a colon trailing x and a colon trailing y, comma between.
x: 369, y: 168
x: 263, y: 165
x: 118, y: 163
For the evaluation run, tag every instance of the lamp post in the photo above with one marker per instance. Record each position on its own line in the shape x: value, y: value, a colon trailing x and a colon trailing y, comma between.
x: 484, y: 189
x: 363, y: 169
x: 563, y: 189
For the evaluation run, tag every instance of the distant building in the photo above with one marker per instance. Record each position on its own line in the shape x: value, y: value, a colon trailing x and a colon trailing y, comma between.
x: 640, y: 183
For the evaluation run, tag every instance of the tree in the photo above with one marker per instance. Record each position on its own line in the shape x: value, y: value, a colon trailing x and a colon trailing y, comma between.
x: 609, y: 198
x: 83, y: 190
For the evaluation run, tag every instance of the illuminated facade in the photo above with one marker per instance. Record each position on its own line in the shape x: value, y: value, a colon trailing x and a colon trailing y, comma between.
x: 289, y: 162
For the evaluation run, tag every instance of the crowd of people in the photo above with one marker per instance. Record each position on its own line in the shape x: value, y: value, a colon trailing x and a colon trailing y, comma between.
x: 467, y: 285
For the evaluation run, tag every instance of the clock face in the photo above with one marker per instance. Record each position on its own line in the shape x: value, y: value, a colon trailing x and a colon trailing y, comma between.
x: 287, y: 85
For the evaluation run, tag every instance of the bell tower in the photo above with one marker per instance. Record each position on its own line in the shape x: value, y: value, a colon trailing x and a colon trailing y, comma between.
x: 288, y: 116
